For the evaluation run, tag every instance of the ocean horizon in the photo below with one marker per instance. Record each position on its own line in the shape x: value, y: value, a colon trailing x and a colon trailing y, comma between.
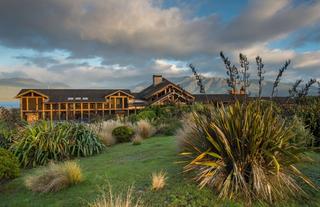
x: 9, y: 104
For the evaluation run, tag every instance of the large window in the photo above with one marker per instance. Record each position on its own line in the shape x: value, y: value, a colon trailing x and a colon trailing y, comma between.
x: 119, y: 103
x: 32, y: 103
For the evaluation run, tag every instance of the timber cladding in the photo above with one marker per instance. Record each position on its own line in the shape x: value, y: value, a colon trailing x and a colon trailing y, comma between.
x: 86, y: 104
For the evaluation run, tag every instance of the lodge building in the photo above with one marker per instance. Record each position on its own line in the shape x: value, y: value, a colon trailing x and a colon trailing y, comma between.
x: 84, y: 104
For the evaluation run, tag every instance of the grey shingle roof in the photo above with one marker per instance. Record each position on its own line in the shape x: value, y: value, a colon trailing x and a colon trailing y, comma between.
x: 62, y: 95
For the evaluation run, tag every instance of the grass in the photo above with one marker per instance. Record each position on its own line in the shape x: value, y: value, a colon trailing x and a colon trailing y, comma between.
x: 125, y: 165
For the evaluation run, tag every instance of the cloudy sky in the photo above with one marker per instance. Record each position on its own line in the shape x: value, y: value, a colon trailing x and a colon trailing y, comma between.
x: 118, y: 43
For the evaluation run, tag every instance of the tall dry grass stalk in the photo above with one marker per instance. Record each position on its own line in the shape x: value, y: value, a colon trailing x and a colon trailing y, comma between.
x: 55, y: 178
x: 184, y: 134
x: 137, y: 139
x: 159, y: 180
x: 145, y: 129
x: 111, y: 200
x: 105, y: 132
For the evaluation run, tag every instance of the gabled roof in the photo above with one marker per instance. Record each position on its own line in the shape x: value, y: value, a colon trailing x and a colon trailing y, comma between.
x: 147, y: 92
x: 62, y: 95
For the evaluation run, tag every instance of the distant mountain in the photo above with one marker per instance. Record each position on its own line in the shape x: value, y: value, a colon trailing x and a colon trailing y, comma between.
x: 216, y: 85
x: 9, y: 87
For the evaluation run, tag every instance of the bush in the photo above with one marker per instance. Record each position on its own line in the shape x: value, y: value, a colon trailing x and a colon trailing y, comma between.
x: 244, y: 151
x: 123, y: 134
x: 105, y: 132
x: 83, y: 142
x: 111, y: 200
x: 303, y: 136
x: 9, y: 165
x: 168, y: 128
x: 44, y: 141
x: 146, y: 115
x: 55, y: 177
x: 144, y: 128
x: 309, y: 114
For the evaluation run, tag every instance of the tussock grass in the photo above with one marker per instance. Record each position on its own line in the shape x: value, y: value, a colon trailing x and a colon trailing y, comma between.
x: 105, y: 132
x: 55, y: 178
x: 137, y: 140
x: 111, y: 200
x: 158, y: 180
x: 145, y: 129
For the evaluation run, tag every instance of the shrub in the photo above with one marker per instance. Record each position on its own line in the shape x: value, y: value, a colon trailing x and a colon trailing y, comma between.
x: 123, y: 134
x: 158, y: 180
x: 44, y: 141
x: 9, y: 165
x: 245, y: 151
x: 146, y: 115
x: 105, y: 132
x: 83, y: 142
x: 137, y: 139
x: 168, y: 128
x: 5, y: 138
x: 309, y: 113
x: 55, y: 177
x: 144, y: 128
x: 111, y: 200
x: 303, y: 136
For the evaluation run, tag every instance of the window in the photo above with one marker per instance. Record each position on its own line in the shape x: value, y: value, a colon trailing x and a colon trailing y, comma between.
x: 78, y: 98
x: 119, y: 103
x: 85, y: 98
x: 70, y: 98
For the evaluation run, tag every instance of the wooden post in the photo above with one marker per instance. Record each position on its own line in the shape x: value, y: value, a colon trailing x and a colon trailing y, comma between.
x: 67, y: 112
x: 21, y: 107
x: 109, y: 103
x: 89, y: 111
x: 27, y: 104
x: 81, y: 111
x: 51, y: 115
x: 59, y: 111
x: 43, y: 114
x: 74, y: 111
x: 103, y: 111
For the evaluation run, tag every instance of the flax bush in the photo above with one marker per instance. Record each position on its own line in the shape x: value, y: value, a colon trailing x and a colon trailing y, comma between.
x: 41, y: 142
x: 244, y: 151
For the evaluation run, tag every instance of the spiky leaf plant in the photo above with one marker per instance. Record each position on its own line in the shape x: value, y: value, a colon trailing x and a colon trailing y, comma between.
x: 244, y: 152
x: 41, y: 142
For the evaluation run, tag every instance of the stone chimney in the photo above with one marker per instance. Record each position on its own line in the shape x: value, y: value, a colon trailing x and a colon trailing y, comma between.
x: 157, y: 79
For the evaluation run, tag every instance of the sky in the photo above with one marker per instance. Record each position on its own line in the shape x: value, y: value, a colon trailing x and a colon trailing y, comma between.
x: 119, y: 43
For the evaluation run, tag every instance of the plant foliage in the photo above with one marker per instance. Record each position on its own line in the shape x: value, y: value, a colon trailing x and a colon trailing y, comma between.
x: 9, y: 165
x: 123, y: 134
x: 44, y: 141
x: 245, y: 151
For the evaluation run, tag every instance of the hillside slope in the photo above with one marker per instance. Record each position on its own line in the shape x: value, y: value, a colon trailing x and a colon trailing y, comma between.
x: 219, y: 85
x: 11, y: 86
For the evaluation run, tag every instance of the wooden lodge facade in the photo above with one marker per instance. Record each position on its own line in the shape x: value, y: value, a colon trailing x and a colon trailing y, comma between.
x: 85, y: 104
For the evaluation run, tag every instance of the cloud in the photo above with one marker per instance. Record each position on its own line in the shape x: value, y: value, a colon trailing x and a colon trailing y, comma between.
x: 134, y: 39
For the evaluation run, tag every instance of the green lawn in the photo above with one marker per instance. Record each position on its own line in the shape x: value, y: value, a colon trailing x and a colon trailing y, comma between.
x: 122, y: 166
